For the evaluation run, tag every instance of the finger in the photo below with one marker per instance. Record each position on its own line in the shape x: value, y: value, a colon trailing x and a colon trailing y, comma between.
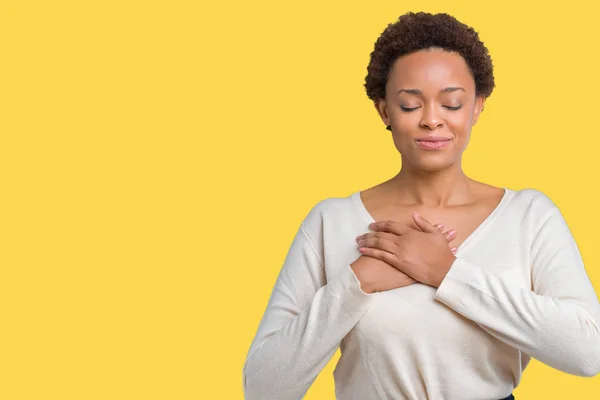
x: 383, y: 235
x: 389, y: 258
x: 450, y: 235
x: 439, y: 227
x: 382, y: 255
x: 380, y: 244
x: 423, y: 223
x: 394, y: 227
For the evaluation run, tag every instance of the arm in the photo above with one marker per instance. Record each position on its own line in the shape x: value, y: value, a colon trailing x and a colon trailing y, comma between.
x: 305, y: 320
x: 557, y: 323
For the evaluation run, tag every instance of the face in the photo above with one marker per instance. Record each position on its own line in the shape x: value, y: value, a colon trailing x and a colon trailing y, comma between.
x: 422, y: 102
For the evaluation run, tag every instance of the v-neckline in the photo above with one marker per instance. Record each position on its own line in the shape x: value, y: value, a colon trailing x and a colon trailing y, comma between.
x: 366, y: 216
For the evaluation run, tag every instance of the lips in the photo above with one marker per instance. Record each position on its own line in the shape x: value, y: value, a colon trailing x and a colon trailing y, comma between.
x: 433, y: 139
x: 433, y: 143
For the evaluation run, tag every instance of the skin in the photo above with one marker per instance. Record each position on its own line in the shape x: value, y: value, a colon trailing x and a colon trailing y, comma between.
x: 432, y: 183
x: 430, y: 71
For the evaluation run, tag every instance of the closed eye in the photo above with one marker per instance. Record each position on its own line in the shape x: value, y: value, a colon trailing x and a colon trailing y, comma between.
x: 413, y: 109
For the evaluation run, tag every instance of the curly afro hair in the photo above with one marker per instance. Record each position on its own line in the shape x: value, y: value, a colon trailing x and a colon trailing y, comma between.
x: 417, y: 31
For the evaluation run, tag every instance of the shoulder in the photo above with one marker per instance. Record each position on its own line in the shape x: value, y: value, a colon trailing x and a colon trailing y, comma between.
x: 330, y: 215
x: 325, y: 210
x: 532, y: 200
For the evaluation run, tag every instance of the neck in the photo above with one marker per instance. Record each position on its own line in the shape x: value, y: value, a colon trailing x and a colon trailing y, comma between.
x: 445, y: 188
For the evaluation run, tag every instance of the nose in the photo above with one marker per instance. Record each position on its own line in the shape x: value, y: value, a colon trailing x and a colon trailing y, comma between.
x: 431, y: 117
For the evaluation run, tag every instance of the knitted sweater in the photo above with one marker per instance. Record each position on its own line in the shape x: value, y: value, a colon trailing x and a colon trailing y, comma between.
x: 517, y: 289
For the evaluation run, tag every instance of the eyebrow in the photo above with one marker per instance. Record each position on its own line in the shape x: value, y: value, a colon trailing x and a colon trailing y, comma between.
x: 418, y: 91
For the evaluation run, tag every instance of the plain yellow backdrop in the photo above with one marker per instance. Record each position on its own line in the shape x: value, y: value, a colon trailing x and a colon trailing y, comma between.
x: 157, y: 158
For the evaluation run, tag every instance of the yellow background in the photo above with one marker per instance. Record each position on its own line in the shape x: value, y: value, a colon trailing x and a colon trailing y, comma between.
x: 157, y: 158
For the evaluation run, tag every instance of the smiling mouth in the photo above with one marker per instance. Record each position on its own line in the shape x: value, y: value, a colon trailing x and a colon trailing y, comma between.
x: 436, y: 144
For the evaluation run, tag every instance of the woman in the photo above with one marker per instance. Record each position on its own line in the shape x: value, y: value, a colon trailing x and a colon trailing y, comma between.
x: 414, y: 317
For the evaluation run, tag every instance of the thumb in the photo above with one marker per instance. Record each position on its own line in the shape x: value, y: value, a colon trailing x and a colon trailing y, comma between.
x: 423, y: 223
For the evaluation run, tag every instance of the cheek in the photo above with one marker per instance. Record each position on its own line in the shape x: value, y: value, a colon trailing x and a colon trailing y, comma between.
x: 460, y: 126
x: 408, y: 125
x: 404, y: 143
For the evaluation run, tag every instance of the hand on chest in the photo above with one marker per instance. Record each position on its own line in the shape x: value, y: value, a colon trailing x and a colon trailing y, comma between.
x: 466, y: 221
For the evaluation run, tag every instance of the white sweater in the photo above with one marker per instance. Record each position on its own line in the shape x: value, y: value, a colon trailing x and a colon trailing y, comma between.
x: 518, y: 289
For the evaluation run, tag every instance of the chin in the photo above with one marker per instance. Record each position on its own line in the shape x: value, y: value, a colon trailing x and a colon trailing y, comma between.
x: 432, y: 164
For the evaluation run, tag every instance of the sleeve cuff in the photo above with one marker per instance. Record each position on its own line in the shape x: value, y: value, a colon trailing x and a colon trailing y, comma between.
x: 454, y: 287
x: 346, y: 287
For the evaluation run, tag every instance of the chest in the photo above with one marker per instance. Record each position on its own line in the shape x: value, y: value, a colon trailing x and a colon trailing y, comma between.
x: 410, y: 320
x: 466, y: 221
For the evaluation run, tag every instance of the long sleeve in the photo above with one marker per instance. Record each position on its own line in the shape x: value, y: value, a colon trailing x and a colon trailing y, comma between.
x: 306, y: 318
x: 557, y: 322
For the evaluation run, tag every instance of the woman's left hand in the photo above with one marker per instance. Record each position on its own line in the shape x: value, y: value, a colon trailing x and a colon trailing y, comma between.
x: 423, y: 255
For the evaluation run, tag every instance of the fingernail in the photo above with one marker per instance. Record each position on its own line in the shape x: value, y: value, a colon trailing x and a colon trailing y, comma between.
x: 452, y: 232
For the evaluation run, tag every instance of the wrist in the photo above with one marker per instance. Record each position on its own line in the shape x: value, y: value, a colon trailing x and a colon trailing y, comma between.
x: 360, y: 274
x: 445, y: 269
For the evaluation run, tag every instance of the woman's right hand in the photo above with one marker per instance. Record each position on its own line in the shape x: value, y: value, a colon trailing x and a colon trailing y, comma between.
x: 377, y: 276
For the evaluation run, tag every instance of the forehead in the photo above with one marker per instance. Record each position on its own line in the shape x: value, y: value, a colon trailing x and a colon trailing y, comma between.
x: 430, y: 71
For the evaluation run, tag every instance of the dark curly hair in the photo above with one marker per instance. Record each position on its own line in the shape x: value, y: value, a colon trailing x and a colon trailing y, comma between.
x: 418, y: 31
